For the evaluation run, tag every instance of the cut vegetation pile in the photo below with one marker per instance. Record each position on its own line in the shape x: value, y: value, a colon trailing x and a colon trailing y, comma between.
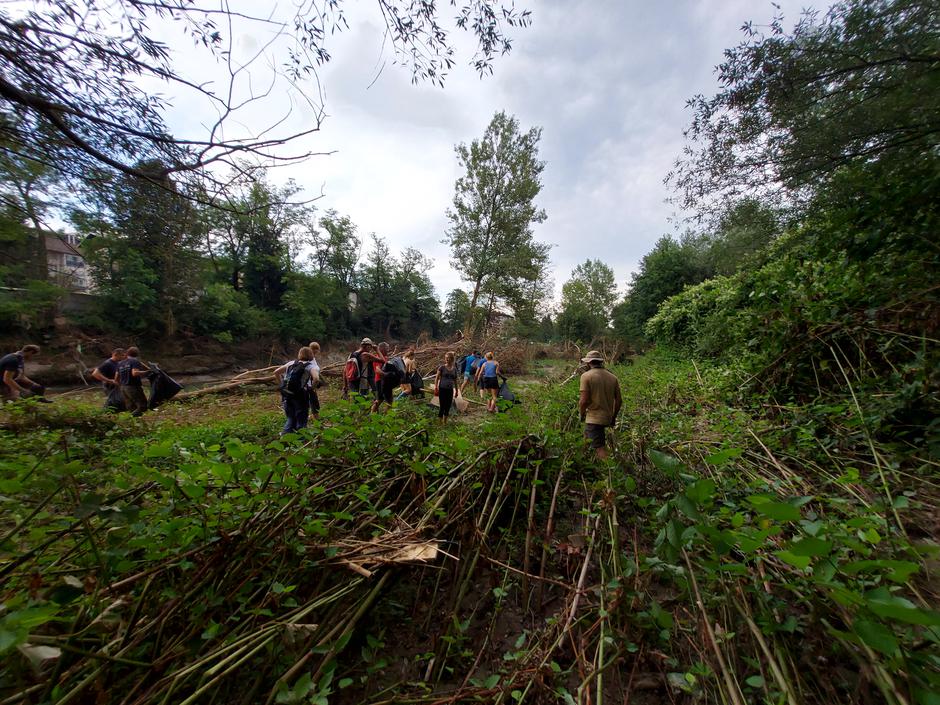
x: 378, y: 559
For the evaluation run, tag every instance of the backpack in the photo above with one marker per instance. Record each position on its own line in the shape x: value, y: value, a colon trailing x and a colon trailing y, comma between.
x: 293, y: 382
x: 394, y: 365
x: 462, y: 364
x: 353, y: 370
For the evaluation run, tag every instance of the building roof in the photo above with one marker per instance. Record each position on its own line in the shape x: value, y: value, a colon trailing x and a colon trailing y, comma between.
x: 56, y: 244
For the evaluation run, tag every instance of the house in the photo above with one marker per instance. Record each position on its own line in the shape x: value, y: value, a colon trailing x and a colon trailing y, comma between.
x: 66, y: 264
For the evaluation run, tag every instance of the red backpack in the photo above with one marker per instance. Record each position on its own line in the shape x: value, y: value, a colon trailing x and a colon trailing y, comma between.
x: 352, y: 372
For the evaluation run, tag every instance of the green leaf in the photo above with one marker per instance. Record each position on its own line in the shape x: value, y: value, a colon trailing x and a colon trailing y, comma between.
x: 889, y: 606
x: 723, y: 456
x: 669, y: 464
x: 811, y: 546
x: 492, y: 681
x: 877, y: 636
x: 779, y: 511
x: 793, y: 559
x: 701, y: 491
x: 755, y: 681
x: 345, y: 683
x: 899, y: 571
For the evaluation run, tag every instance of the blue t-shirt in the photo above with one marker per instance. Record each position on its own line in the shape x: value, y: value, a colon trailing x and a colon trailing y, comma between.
x: 489, y: 368
x: 469, y: 365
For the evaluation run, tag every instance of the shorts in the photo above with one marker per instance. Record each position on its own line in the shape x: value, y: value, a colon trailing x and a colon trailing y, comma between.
x: 490, y: 383
x: 596, y: 434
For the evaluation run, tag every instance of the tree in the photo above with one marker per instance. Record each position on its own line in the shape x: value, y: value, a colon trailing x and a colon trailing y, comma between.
x: 587, y: 299
x: 665, y: 271
x: 141, y: 244
x: 456, y: 310
x: 78, y: 70
x: 856, y: 85
x: 493, y: 211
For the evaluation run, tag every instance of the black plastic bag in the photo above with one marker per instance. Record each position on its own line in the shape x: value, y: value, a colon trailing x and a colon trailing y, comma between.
x: 162, y: 387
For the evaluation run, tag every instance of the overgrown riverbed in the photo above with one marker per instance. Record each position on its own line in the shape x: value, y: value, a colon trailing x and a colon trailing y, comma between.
x: 726, y: 555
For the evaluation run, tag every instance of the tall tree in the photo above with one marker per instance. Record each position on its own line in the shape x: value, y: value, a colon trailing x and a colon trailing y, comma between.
x: 857, y: 84
x: 664, y: 271
x: 494, y: 208
x: 456, y: 310
x: 142, y: 250
x: 587, y: 300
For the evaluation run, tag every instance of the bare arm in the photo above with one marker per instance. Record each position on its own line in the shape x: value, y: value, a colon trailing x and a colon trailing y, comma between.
x: 437, y: 380
x: 279, y: 373
x: 10, y: 381
x: 101, y: 378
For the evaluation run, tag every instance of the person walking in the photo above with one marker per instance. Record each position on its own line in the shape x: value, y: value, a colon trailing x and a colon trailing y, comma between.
x: 314, y: 369
x: 377, y: 375
x: 410, y: 368
x: 359, y: 375
x: 445, y: 382
x: 13, y: 372
x: 488, y: 380
x: 294, y: 381
x: 470, y: 364
x: 106, y: 373
x: 599, y: 402
x: 129, y: 372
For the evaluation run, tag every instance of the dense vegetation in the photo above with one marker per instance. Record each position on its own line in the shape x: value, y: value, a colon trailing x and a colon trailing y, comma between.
x: 740, y: 558
x: 765, y: 531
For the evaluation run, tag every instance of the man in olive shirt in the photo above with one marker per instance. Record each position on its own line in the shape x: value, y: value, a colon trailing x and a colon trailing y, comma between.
x: 600, y: 402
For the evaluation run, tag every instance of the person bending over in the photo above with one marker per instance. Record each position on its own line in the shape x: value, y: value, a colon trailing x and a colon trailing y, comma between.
x: 106, y: 373
x: 16, y: 384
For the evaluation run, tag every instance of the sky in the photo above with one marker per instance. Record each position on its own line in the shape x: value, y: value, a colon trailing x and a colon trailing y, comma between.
x: 606, y: 81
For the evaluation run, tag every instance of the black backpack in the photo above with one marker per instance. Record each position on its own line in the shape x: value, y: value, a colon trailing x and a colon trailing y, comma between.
x: 293, y: 382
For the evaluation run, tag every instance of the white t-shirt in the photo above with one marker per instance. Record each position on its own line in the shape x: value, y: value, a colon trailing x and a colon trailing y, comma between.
x: 311, y: 372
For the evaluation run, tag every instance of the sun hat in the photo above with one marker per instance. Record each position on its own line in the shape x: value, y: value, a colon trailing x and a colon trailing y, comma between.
x: 367, y: 341
x: 593, y: 355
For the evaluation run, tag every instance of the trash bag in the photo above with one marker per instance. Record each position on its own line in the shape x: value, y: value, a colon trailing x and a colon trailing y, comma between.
x: 505, y: 392
x: 162, y: 387
x: 115, y: 399
x: 417, y: 385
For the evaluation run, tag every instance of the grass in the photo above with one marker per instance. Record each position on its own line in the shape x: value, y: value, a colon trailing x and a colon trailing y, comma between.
x: 723, y: 555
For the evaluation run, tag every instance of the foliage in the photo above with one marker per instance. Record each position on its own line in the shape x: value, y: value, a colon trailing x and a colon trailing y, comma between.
x: 142, y: 251
x: 587, y: 299
x: 860, y: 83
x: 456, y: 311
x: 490, y: 232
x: 664, y: 271
x: 744, y: 556
x: 841, y: 307
x: 75, y: 74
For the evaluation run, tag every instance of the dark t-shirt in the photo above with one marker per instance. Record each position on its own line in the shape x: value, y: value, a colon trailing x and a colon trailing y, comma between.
x: 13, y: 363
x: 124, y: 372
x: 448, y: 377
x: 108, y: 368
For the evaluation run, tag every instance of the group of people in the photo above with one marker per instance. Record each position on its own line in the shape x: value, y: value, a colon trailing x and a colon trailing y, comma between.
x: 369, y: 370
x: 120, y: 376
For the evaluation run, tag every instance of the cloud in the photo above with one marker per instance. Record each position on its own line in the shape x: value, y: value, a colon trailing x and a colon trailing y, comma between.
x: 606, y: 82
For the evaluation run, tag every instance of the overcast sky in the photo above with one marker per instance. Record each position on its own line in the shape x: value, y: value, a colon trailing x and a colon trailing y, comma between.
x: 606, y: 81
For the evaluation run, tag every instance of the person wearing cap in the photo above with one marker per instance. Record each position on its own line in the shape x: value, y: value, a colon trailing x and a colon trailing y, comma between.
x: 366, y: 359
x: 599, y: 403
